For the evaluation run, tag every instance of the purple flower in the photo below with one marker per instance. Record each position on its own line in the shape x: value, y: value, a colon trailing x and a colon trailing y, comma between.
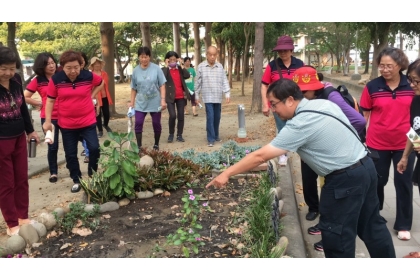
x: 190, y: 191
x: 205, y: 204
x: 9, y: 256
x: 246, y: 151
x: 224, y: 164
x: 190, y: 231
x: 192, y: 197
x: 19, y: 255
x: 198, y: 238
x: 233, y: 157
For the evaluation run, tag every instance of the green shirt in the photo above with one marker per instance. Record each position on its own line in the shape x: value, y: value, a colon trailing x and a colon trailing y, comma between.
x: 190, y: 81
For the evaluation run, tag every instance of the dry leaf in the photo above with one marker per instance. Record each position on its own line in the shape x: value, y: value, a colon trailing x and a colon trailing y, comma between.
x: 233, y: 214
x: 221, y: 246
x: 166, y: 194
x: 122, y: 243
x: 52, y: 234
x: 240, y: 246
x: 232, y: 203
x: 174, y: 207
x: 36, y: 245
x: 84, y: 244
x: 147, y: 217
x: 214, y: 227
x: 217, y: 254
x: 82, y: 231
x: 65, y: 246
x: 78, y: 224
x: 106, y: 216
x: 302, y: 204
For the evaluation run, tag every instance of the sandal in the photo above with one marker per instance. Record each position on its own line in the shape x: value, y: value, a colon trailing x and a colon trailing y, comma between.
x: 195, y: 115
x: 13, y: 231
x: 404, y: 235
x: 53, y: 178
x: 413, y: 255
x: 76, y: 188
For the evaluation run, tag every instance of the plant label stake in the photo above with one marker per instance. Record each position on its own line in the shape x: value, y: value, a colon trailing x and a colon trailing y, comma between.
x: 130, y: 115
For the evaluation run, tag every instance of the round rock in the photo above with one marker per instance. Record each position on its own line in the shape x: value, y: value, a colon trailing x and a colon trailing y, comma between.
x: 29, y: 233
x: 157, y: 191
x: 123, y: 202
x: 40, y: 229
x: 144, y: 195
x: 146, y: 161
x: 89, y: 207
x: 60, y: 212
x: 48, y: 220
x: 108, y: 206
x: 16, y: 244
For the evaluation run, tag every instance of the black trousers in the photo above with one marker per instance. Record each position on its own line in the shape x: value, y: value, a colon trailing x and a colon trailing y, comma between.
x: 349, y: 206
x: 179, y: 114
x: 310, y: 187
x: 403, y: 186
x: 104, y: 110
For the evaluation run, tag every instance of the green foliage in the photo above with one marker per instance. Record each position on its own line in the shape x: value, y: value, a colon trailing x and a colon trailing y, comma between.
x: 168, y: 172
x: 77, y: 213
x: 229, y: 154
x: 97, y: 188
x: 120, y: 163
x: 260, y: 235
x: 187, y: 235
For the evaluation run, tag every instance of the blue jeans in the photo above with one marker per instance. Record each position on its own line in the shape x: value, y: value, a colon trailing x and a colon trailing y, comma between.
x: 279, y: 122
x: 85, y: 147
x: 213, y: 112
x: 53, y: 148
x: 70, y: 142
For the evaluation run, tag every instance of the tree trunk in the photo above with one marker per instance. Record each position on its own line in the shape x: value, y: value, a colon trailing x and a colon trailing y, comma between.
x: 221, y: 47
x: 332, y: 61
x: 11, y: 36
x: 367, y: 59
x: 177, y: 38
x: 107, y: 46
x: 197, y: 48
x: 120, y: 67
x: 238, y: 67
x: 145, y: 35
x: 401, y: 41
x: 247, y: 30
x: 258, y: 67
x: 338, y: 56
x: 230, y: 56
x: 207, y: 38
x: 380, y: 42
x: 251, y: 64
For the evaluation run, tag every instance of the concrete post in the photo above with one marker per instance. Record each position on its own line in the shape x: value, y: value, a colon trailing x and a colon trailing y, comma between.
x: 241, y: 121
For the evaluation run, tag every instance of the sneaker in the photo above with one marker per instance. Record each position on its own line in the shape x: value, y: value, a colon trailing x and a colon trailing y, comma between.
x: 210, y: 144
x: 100, y: 134
x: 83, y: 153
x: 180, y: 139
x: 86, y: 160
x: 170, y: 138
x: 314, y: 230
x: 311, y: 216
x: 218, y: 140
x: 283, y: 160
x: 156, y: 147
x: 76, y: 188
x: 318, y: 246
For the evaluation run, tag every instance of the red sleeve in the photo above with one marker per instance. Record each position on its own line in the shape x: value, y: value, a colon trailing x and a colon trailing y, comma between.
x: 52, y: 91
x: 266, y: 78
x: 33, y: 85
x: 96, y: 80
x: 365, y: 100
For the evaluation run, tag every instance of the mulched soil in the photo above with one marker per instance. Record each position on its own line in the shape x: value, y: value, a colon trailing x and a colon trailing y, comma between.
x: 127, y: 233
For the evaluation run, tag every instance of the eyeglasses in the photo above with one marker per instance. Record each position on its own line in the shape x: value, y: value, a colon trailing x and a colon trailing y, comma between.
x: 412, y: 81
x: 68, y: 68
x: 389, y: 67
x: 273, y: 105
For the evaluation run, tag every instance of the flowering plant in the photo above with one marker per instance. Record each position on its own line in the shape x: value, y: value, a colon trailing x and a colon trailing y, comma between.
x: 187, y: 235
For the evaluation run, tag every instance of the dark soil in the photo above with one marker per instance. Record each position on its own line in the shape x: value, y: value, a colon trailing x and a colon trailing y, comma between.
x: 128, y: 234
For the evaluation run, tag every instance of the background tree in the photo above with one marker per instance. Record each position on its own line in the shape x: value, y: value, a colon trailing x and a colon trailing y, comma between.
x: 185, y: 33
x: 207, y: 37
x: 11, y: 36
x: 258, y: 66
x: 248, y: 26
x: 126, y: 45
x: 197, y: 47
x: 145, y: 35
x: 177, y: 38
x: 107, y: 45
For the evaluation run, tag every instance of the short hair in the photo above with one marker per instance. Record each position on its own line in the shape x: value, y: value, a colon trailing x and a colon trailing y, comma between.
x: 85, y: 58
x: 396, y: 54
x: 187, y: 58
x: 8, y: 56
x: 41, y: 62
x: 283, y: 88
x: 414, y: 66
x: 144, y: 50
x: 171, y: 54
x: 70, y: 56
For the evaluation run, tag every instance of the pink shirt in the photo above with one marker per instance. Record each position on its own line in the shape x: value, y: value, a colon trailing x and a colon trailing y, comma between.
x: 75, y: 106
x: 40, y: 84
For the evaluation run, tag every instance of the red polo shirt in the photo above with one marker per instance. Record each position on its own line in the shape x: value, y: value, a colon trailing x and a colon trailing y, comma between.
x: 40, y: 85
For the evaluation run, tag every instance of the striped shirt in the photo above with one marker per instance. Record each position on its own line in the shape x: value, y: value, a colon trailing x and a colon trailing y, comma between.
x: 322, y: 142
x: 211, y: 82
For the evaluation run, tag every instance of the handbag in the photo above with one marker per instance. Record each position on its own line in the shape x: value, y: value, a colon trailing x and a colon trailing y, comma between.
x: 374, y: 155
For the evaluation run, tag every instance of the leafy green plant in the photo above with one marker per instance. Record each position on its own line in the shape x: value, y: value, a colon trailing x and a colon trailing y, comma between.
x: 120, y: 163
x: 97, y: 188
x: 187, y: 235
x: 77, y: 213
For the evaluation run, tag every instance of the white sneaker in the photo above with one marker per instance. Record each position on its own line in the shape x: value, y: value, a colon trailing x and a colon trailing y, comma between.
x: 283, y: 160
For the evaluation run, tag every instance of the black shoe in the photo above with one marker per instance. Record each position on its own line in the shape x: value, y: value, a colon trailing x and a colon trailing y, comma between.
x: 107, y: 128
x: 53, y: 178
x: 318, y: 246
x: 76, y: 188
x: 311, y: 216
x: 86, y: 160
x: 180, y: 139
x: 170, y: 138
x: 83, y: 153
x: 100, y: 134
x: 218, y: 139
x: 156, y: 147
x: 314, y: 230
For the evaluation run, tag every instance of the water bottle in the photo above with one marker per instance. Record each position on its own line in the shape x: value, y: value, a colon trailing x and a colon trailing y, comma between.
x: 32, y: 148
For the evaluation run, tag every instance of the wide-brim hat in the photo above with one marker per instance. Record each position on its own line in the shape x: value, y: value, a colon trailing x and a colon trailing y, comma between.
x: 284, y: 43
x: 93, y: 60
x: 307, y: 79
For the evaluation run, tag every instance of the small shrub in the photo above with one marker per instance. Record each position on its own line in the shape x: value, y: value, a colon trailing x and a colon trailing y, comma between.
x: 97, y: 188
x: 77, y: 213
